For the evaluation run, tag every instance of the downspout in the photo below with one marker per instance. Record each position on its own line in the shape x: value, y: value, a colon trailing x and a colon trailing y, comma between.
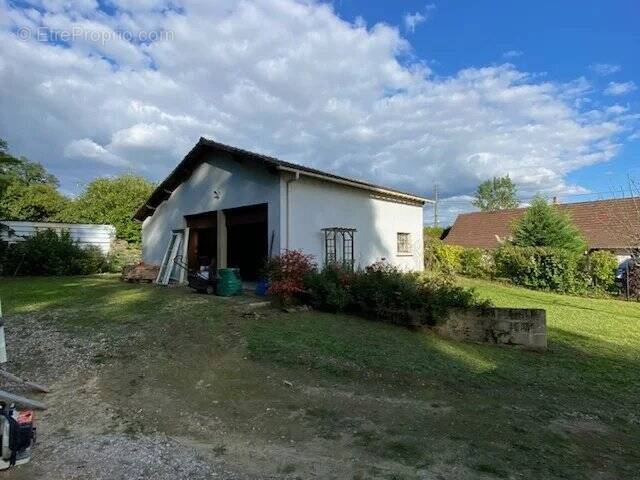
x: 288, y: 220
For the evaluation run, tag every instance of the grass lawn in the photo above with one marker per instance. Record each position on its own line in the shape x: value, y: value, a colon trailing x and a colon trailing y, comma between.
x: 374, y: 400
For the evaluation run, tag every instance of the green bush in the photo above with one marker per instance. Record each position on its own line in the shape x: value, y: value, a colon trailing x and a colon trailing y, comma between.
x: 476, y: 263
x: 449, y: 257
x: 600, y: 267
x: 111, y: 200
x: 431, y: 246
x: 383, y: 292
x: 123, y: 253
x: 439, y: 292
x: 50, y: 253
x: 330, y: 289
x: 541, y: 268
x: 441, y: 257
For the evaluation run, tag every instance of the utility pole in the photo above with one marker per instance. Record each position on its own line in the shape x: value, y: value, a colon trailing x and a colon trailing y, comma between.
x: 435, y: 205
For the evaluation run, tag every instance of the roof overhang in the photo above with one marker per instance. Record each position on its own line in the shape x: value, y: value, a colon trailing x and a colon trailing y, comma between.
x: 194, y: 158
x: 358, y: 184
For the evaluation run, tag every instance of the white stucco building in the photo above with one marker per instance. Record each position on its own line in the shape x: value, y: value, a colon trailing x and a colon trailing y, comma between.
x: 233, y: 208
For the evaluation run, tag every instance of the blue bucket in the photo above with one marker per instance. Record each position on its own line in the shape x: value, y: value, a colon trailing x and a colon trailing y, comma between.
x: 262, y: 287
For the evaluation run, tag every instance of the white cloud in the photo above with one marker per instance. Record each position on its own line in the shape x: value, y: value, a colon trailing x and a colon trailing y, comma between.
x: 412, y: 20
x: 615, y: 88
x: 86, y: 149
x: 293, y: 80
x: 605, y: 69
x: 142, y: 136
x: 512, y: 54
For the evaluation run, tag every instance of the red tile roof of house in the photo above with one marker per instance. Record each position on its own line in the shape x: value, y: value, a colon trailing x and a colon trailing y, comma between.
x: 605, y: 224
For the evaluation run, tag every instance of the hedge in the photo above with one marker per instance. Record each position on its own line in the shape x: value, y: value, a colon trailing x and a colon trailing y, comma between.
x: 383, y: 292
x: 600, y: 267
x: 471, y: 262
x: 541, y: 268
x: 544, y: 268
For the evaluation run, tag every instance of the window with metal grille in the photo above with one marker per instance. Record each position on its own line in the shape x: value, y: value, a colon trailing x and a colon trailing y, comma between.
x: 338, y: 246
x: 404, y: 242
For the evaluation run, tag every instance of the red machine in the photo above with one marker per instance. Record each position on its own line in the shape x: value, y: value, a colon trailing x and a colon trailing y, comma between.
x: 17, y: 436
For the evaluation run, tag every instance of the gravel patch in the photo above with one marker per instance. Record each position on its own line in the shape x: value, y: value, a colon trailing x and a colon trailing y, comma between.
x: 121, y: 457
x: 80, y: 436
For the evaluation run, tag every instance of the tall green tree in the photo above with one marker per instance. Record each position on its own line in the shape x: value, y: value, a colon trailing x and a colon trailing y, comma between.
x: 7, y: 161
x: 496, y: 194
x: 26, y: 172
x: 113, y: 201
x: 544, y: 225
x: 27, y: 190
x: 13, y: 169
x: 38, y: 202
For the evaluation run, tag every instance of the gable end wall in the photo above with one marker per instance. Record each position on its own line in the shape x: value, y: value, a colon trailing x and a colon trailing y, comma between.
x: 237, y: 184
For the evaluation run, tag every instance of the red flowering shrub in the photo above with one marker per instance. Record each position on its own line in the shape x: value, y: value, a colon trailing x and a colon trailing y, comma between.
x: 286, y: 273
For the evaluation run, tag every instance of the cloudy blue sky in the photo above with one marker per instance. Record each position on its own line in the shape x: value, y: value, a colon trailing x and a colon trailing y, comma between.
x: 406, y: 94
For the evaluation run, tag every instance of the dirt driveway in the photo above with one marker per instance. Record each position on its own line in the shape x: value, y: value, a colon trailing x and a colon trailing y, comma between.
x: 157, y: 383
x: 175, y: 402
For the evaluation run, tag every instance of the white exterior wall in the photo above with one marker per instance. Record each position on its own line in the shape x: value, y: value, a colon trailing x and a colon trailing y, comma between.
x: 314, y: 205
x: 85, y: 234
x: 237, y: 184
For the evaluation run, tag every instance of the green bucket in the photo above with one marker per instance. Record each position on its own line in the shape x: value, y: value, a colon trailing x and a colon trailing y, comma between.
x: 229, y: 282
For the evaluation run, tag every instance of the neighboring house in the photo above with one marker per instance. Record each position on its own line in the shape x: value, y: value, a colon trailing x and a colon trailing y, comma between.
x: 228, y: 207
x: 85, y: 234
x: 612, y: 225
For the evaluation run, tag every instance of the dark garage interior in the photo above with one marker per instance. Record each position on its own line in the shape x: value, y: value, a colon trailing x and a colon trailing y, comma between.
x: 247, y: 239
x: 203, y: 240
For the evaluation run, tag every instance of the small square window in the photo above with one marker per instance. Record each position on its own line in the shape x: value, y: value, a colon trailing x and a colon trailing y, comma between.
x: 404, y: 243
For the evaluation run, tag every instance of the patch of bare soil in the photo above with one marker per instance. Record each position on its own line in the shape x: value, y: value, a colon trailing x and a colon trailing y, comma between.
x: 81, y: 436
x: 168, y: 403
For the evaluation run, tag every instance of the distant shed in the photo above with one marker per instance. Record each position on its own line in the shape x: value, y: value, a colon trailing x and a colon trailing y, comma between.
x: 85, y: 234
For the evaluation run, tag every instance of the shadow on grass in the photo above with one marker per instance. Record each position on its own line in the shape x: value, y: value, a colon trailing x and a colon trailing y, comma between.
x: 576, y: 366
x: 505, y: 400
x: 101, y: 301
x: 502, y: 400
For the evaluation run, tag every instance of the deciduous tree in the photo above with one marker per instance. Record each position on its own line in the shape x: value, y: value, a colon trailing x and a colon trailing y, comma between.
x: 496, y: 194
x: 27, y: 190
x: 113, y: 201
x: 6, y: 161
x: 36, y: 202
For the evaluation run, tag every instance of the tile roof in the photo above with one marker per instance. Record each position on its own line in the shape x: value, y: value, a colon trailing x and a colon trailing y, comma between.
x: 605, y: 224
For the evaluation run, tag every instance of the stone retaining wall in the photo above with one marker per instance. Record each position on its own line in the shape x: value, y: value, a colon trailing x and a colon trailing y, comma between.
x: 503, y: 326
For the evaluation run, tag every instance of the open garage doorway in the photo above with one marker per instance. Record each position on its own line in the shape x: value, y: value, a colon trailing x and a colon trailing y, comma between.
x: 203, y: 241
x: 247, y: 239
